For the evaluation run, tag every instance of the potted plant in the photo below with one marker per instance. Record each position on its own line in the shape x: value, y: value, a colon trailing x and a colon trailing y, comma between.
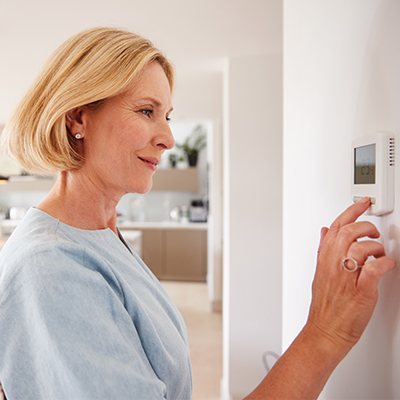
x: 193, y: 144
x: 181, y: 163
x: 172, y: 160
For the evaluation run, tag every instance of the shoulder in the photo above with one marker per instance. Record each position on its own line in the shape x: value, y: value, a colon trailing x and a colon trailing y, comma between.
x: 36, y: 241
x: 42, y: 251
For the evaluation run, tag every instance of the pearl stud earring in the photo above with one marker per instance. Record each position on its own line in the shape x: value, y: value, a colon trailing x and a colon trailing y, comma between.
x: 78, y: 136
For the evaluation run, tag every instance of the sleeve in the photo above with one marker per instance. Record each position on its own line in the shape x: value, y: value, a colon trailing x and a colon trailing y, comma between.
x: 65, y: 334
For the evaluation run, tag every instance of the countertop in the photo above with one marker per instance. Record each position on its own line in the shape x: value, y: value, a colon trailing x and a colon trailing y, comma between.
x: 162, y: 225
x: 8, y: 225
x: 132, y: 236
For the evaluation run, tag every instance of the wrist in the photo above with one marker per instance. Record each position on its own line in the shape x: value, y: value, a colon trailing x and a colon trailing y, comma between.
x: 303, y: 370
x: 328, y: 349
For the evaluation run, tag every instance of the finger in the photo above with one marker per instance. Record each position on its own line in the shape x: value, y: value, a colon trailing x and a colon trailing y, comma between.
x: 351, y: 213
x: 360, y: 251
x: 371, y: 273
x: 356, y: 230
x: 324, y: 231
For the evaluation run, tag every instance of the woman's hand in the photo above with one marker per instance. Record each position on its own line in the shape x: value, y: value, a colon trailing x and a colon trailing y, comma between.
x: 342, y: 305
x: 343, y: 301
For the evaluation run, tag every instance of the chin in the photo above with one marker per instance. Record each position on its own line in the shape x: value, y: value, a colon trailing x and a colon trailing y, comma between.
x: 143, y: 189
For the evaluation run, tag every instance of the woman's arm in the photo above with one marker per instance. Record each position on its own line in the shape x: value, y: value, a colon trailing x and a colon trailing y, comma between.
x: 341, y: 307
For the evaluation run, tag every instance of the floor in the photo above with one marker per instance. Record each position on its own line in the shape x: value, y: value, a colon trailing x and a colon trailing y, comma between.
x: 205, y: 336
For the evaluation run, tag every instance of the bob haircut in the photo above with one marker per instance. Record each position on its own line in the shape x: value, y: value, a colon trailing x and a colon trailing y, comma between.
x: 84, y: 71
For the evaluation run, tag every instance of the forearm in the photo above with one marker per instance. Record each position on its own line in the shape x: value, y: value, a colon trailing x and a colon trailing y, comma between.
x: 302, y: 371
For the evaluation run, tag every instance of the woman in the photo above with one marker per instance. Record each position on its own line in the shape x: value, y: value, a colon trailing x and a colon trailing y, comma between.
x: 82, y: 317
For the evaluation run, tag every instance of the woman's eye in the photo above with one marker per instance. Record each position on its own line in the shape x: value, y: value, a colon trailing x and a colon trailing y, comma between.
x: 147, y: 112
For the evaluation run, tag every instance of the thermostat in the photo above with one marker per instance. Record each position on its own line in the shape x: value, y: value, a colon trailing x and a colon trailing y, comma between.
x: 373, y: 171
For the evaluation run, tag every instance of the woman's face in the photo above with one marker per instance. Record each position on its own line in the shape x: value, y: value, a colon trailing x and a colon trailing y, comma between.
x: 123, y: 141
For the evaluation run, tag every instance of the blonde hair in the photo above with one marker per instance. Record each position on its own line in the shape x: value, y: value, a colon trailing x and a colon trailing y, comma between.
x: 89, y: 67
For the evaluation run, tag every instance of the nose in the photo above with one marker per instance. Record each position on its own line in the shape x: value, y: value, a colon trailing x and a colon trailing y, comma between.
x: 166, y: 140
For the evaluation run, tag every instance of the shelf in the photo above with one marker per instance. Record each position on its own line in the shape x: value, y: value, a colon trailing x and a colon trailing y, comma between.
x: 173, y: 179
x: 28, y: 183
x: 180, y: 180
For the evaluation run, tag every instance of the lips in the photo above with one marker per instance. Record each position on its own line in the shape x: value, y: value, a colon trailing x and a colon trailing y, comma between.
x: 150, y: 161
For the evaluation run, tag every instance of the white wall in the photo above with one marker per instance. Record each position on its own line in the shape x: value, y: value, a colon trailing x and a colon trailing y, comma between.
x: 341, y: 81
x: 253, y: 216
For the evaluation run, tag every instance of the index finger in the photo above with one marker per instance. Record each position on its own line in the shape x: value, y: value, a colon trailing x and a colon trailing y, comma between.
x: 351, y: 213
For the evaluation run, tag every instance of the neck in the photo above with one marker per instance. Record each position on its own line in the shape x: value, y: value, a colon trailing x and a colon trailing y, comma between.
x: 76, y: 201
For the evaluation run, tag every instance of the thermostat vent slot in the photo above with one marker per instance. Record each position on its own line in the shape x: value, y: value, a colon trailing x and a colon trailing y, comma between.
x: 391, y: 152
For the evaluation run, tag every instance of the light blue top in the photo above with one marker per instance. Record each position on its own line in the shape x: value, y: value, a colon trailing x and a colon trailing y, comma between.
x: 82, y: 317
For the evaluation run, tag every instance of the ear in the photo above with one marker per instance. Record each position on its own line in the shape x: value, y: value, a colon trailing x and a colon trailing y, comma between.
x: 73, y: 121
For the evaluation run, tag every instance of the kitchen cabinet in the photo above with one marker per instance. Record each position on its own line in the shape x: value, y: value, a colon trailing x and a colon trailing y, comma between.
x: 153, y: 250
x: 176, y: 254
x: 135, y: 239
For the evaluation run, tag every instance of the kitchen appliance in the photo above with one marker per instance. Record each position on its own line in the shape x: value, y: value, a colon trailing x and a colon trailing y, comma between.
x: 197, y: 211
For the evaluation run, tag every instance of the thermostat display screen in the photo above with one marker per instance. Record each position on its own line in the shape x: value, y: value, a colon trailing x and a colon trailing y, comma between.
x: 364, y: 165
